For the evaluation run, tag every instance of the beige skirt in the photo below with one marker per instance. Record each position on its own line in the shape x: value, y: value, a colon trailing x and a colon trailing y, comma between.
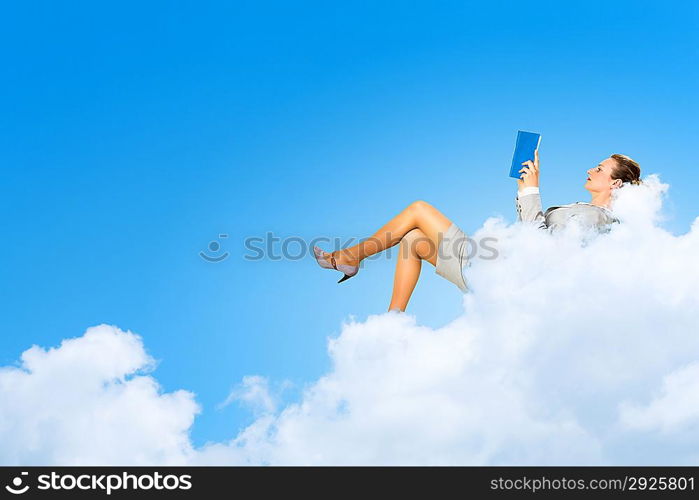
x: 452, y: 256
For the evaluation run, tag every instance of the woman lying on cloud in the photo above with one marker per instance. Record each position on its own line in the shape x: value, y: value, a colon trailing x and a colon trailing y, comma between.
x: 424, y: 233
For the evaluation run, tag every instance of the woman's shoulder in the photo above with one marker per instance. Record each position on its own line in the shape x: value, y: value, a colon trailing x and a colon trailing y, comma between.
x: 597, y: 207
x: 581, y: 205
x: 555, y: 207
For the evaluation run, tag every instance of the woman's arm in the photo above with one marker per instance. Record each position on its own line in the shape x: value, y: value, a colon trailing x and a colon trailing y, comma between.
x: 528, y: 201
x: 528, y: 204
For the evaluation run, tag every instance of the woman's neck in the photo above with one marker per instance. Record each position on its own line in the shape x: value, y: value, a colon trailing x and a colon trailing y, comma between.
x: 602, y: 199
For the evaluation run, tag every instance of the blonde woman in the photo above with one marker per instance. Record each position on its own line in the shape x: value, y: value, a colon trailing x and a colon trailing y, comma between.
x: 425, y: 233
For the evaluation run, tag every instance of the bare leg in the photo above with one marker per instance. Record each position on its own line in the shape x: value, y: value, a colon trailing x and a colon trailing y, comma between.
x: 414, y: 248
x: 418, y: 215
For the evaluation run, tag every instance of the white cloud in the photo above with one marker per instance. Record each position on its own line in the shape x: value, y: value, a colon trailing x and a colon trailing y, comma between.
x: 565, y: 354
x: 254, y: 392
x: 89, y: 402
x: 675, y: 409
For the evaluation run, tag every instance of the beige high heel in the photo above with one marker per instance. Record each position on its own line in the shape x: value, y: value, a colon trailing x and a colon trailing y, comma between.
x: 348, y: 271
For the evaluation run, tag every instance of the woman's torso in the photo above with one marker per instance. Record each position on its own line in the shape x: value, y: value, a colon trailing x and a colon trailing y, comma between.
x: 585, y: 214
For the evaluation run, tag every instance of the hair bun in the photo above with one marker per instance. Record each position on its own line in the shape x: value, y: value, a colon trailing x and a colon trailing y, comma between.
x: 626, y: 169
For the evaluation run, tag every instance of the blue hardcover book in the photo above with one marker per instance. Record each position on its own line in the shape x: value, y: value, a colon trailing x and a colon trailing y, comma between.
x: 527, y: 142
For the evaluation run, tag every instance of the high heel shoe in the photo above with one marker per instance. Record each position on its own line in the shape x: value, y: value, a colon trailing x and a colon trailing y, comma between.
x: 349, y: 271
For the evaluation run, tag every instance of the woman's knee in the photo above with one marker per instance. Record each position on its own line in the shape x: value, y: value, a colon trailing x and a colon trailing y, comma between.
x: 409, y: 238
x: 415, y: 242
x: 420, y: 205
x: 407, y: 243
x: 428, y: 218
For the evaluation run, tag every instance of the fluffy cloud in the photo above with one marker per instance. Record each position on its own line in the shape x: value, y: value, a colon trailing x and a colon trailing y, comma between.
x: 90, y: 402
x: 566, y: 353
x: 674, y: 410
x: 255, y: 393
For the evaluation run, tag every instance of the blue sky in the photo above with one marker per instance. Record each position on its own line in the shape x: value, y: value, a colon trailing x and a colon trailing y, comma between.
x: 133, y: 135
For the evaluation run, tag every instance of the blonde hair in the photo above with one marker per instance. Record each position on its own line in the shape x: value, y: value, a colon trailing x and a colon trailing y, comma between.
x: 626, y: 169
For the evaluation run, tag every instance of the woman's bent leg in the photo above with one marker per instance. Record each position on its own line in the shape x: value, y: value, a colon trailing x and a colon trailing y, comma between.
x: 415, y: 247
x: 418, y: 215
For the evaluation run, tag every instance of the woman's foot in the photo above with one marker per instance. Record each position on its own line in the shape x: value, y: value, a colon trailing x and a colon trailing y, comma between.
x: 340, y: 258
x: 329, y: 261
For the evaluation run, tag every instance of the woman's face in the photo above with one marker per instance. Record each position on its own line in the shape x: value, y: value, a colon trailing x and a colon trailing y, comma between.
x: 599, y: 178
